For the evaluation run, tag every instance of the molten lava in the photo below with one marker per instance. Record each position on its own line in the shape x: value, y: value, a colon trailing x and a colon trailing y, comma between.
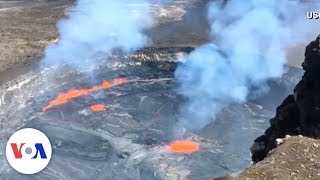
x: 184, y: 146
x: 63, y: 98
x: 106, y: 85
x: 98, y: 107
x: 120, y: 80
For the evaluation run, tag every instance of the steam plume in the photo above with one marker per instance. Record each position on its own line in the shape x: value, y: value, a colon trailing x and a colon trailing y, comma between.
x: 99, y: 26
x: 250, y: 38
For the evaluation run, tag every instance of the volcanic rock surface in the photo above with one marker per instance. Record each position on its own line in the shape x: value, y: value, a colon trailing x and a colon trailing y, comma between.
x: 26, y: 27
x: 297, y: 158
x: 129, y: 139
x: 299, y: 112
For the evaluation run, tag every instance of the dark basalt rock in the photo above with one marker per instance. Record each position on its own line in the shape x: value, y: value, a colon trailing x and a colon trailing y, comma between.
x: 299, y: 113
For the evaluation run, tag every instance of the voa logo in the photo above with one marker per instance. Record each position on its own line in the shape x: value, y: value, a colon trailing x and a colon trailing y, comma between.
x: 28, y: 151
x: 313, y: 15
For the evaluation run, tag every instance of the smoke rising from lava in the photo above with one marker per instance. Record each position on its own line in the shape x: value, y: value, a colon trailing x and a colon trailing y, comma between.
x: 99, y: 26
x: 250, y: 42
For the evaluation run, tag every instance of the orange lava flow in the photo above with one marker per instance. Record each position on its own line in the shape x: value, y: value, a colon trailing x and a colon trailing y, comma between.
x: 98, y: 107
x: 184, y: 146
x: 120, y: 80
x: 63, y: 98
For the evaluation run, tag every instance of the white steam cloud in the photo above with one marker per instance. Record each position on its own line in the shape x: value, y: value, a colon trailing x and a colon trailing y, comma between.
x: 250, y: 42
x: 99, y: 26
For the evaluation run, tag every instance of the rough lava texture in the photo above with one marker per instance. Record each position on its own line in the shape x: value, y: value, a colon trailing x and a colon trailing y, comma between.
x: 296, y: 158
x: 299, y: 113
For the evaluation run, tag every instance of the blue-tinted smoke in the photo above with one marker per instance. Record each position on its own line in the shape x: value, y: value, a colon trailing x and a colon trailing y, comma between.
x: 99, y: 26
x: 250, y: 41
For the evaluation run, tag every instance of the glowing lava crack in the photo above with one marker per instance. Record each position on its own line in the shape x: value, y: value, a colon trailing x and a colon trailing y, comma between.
x: 63, y: 98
